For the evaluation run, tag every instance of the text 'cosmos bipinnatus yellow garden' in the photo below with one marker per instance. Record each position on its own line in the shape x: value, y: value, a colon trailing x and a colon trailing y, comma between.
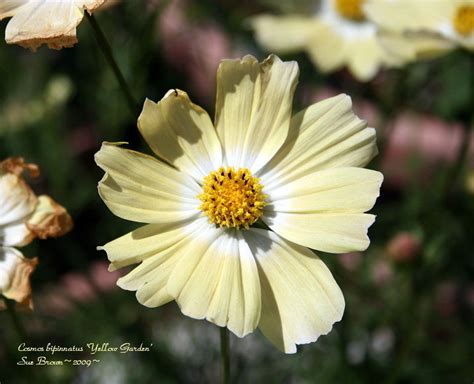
x: 216, y: 187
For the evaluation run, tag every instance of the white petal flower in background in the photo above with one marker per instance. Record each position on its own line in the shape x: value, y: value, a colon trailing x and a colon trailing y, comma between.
x: 52, y: 22
x: 214, y: 185
x: 450, y: 23
x: 23, y: 216
x: 338, y: 34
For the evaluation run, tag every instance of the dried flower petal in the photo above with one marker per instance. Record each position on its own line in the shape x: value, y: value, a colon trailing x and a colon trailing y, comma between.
x: 49, y: 219
x: 54, y: 23
x: 15, y: 271
x: 17, y: 166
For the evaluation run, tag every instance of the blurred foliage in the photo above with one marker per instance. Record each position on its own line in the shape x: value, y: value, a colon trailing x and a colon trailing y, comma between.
x: 404, y: 322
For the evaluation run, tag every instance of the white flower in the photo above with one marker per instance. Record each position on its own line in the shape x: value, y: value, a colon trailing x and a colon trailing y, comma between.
x: 447, y: 23
x: 338, y: 34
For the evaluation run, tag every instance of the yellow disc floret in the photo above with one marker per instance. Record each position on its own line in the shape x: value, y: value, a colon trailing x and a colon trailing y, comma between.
x: 350, y: 9
x: 464, y: 20
x: 232, y: 198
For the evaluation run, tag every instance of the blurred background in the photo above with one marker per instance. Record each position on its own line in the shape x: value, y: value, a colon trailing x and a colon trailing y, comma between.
x: 409, y: 298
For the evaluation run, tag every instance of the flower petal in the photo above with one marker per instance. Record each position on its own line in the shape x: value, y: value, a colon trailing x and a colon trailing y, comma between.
x: 50, y: 22
x: 431, y: 19
x: 217, y: 279
x: 328, y: 50
x: 17, y: 203
x: 158, y: 247
x: 17, y: 200
x: 300, y: 298
x: 91, y: 5
x: 413, y: 46
x: 9, y: 8
x: 323, y: 210
x: 15, y: 234
x: 15, y: 271
x: 366, y: 57
x: 181, y: 133
x: 253, y: 108
x: 54, y: 23
x: 337, y: 190
x: 323, y: 136
x: 49, y: 219
x: 140, y: 188
x: 402, y: 15
x: 283, y: 34
x: 9, y: 258
x: 149, y: 240
x: 328, y: 232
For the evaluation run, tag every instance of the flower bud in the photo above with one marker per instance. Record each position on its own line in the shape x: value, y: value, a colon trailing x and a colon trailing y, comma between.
x: 403, y: 247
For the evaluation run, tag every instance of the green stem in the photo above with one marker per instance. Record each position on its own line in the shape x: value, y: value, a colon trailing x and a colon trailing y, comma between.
x: 107, y: 51
x: 225, y: 355
x: 15, y: 319
x: 456, y: 170
x: 413, y: 325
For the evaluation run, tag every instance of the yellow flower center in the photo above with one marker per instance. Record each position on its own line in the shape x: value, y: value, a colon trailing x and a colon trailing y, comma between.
x: 350, y: 9
x: 464, y: 20
x: 232, y: 199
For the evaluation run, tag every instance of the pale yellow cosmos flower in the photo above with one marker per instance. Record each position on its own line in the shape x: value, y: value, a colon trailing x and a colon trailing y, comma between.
x: 338, y: 34
x: 38, y: 22
x: 447, y: 23
x: 23, y: 216
x: 299, y: 174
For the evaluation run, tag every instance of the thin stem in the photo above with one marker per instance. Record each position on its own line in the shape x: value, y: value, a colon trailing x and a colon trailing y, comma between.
x: 456, y: 170
x: 413, y: 323
x: 225, y: 355
x: 15, y: 319
x: 107, y: 51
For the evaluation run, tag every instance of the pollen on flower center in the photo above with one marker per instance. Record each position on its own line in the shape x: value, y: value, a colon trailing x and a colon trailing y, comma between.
x: 350, y: 9
x: 232, y: 198
x: 464, y: 20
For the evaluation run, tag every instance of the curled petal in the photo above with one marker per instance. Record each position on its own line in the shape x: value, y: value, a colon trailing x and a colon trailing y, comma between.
x: 46, y: 22
x: 23, y: 215
x: 49, y: 219
x: 17, y: 166
x: 15, y: 271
